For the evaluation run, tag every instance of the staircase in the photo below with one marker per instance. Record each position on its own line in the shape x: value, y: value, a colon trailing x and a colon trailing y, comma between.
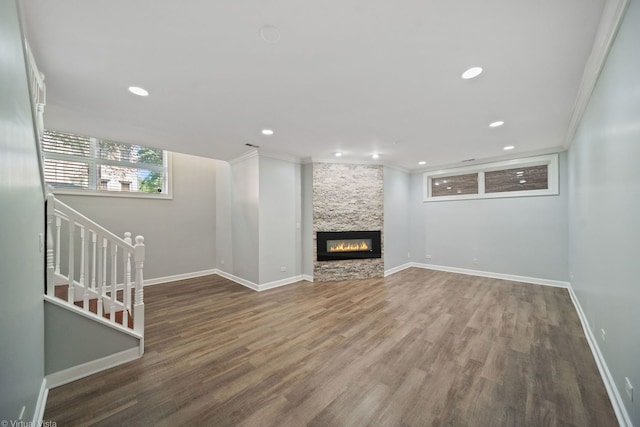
x: 94, y: 272
x: 89, y: 271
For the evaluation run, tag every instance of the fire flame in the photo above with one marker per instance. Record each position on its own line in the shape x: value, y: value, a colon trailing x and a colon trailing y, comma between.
x: 349, y: 247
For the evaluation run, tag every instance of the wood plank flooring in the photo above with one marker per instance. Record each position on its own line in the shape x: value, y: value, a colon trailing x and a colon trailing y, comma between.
x: 418, y: 348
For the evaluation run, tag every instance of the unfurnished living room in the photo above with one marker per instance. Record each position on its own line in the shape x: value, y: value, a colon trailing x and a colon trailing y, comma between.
x: 338, y: 213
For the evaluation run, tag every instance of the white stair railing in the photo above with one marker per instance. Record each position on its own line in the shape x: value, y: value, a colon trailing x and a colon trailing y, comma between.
x: 95, y: 264
x: 38, y: 91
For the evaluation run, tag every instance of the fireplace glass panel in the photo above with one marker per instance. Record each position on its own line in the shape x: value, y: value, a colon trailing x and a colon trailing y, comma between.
x: 349, y: 245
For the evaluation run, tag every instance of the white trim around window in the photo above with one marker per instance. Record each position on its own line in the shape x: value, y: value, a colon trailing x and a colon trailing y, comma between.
x: 168, y: 194
x: 551, y: 161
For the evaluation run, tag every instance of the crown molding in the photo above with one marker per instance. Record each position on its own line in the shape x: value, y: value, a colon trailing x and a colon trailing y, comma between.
x: 278, y: 156
x: 246, y: 156
x: 612, y: 15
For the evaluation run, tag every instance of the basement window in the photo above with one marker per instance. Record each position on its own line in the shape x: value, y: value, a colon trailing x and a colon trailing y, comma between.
x: 75, y: 164
x: 532, y: 176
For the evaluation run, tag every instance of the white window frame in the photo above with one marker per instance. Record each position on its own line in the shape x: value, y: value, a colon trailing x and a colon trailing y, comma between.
x: 93, y: 162
x: 551, y: 160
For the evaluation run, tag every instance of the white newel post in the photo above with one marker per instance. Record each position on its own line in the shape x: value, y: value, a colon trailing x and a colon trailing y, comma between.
x: 138, y: 308
x: 51, y: 218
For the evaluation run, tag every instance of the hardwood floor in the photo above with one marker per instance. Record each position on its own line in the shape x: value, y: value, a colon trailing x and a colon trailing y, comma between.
x: 419, y: 348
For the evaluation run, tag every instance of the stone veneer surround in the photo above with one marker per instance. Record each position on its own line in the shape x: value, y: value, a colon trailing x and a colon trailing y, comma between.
x: 347, y: 198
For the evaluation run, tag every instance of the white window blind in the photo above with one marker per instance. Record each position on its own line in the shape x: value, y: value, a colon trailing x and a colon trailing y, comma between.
x: 75, y: 162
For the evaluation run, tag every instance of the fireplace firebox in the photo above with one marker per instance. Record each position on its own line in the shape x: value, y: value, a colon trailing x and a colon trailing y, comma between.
x: 341, y: 245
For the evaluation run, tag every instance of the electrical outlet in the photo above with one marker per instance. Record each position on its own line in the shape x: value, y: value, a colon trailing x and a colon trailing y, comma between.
x: 603, y: 335
x: 408, y: 254
x: 475, y: 261
x: 629, y: 388
x: 283, y: 269
x: 571, y: 276
x: 222, y: 262
x: 428, y: 256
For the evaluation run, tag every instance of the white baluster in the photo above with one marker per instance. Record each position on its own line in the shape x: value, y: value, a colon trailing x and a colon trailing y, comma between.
x: 71, y: 295
x: 57, y: 252
x: 102, y: 274
x: 114, y: 262
x: 40, y: 119
x: 50, y: 253
x: 94, y: 240
x: 126, y: 299
x: 84, y: 266
x: 138, y: 308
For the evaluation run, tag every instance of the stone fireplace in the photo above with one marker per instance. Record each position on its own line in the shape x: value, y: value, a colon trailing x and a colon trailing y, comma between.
x: 346, y: 198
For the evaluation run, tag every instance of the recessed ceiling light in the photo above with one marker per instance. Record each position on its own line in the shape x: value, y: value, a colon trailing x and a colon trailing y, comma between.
x: 375, y: 155
x: 138, y: 91
x: 496, y: 124
x: 267, y: 132
x: 509, y: 147
x: 472, y: 72
x: 270, y: 34
x: 338, y: 154
x: 422, y: 163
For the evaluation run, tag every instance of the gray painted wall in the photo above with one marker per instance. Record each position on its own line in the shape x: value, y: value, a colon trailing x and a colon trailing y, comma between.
x: 417, y: 223
x: 604, y: 210
x: 523, y: 236
x: 245, y: 218
x: 64, y: 349
x: 279, y: 217
x: 180, y: 234
x: 22, y: 213
x: 397, y: 191
x: 307, y: 219
x: 224, y: 241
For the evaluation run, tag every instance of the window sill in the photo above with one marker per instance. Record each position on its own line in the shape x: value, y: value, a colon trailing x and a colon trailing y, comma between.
x: 125, y: 195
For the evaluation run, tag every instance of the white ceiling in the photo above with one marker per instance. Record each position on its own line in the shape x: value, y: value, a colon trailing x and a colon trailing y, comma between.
x: 358, y: 76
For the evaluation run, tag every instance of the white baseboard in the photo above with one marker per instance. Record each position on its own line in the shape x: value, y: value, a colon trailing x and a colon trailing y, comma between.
x: 41, y: 403
x: 278, y: 283
x: 264, y: 286
x: 511, y: 277
x: 307, y: 277
x: 238, y: 280
x: 93, y: 367
x: 616, y: 400
x: 397, y: 269
x: 165, y: 279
